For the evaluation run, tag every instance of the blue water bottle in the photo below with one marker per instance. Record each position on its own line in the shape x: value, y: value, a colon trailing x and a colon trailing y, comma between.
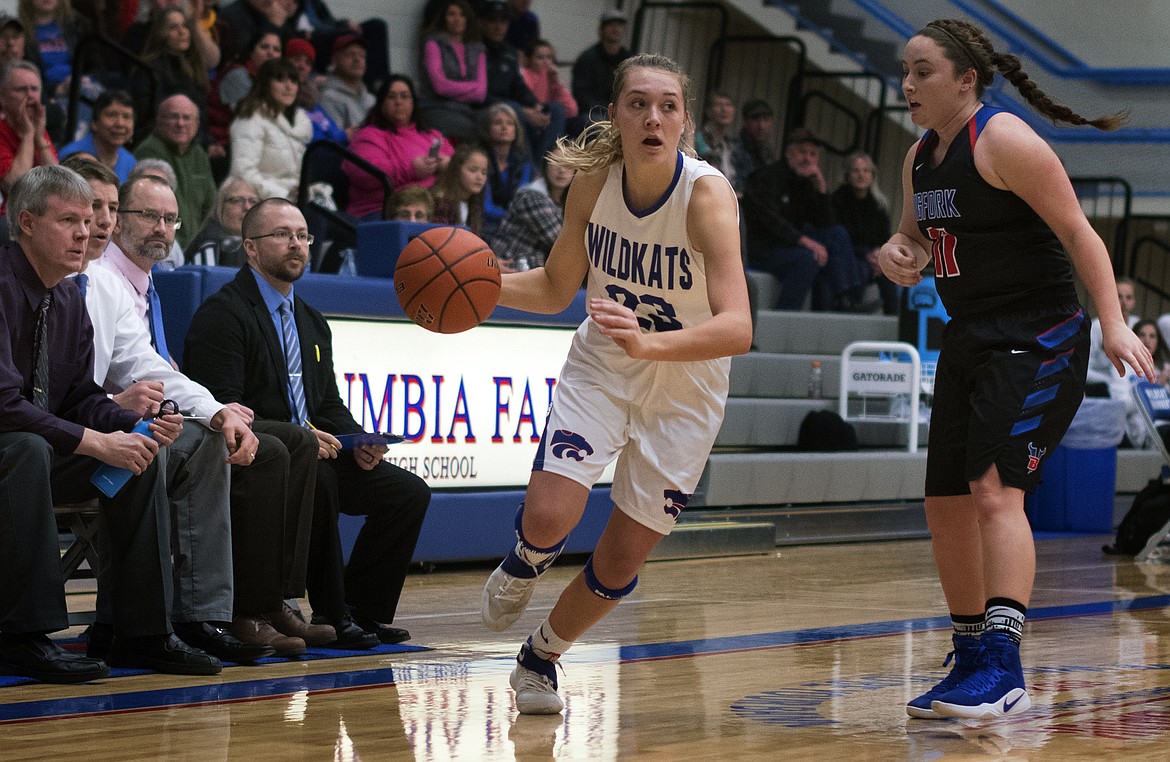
x: 109, y: 479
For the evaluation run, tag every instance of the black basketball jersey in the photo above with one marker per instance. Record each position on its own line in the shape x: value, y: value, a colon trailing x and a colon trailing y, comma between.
x: 991, y: 250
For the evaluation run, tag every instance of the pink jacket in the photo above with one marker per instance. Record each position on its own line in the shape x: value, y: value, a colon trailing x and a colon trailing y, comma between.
x: 393, y: 153
x: 546, y: 92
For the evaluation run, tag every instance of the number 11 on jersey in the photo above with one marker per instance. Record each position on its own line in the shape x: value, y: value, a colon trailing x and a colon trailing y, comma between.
x: 942, y: 247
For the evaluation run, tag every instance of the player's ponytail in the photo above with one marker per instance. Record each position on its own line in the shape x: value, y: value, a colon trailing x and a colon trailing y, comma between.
x: 967, y: 47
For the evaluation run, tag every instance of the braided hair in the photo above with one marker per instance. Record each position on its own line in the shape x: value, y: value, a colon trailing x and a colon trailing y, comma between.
x: 967, y: 47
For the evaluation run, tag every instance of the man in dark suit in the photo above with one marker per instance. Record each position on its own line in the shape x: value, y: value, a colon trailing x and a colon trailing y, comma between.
x: 256, y: 343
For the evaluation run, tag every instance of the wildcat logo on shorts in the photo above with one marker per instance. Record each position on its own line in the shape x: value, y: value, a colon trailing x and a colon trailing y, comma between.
x: 569, y: 444
x: 675, y: 501
x: 1034, y: 456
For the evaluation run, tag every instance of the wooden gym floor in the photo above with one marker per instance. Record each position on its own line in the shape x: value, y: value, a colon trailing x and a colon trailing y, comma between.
x: 807, y: 653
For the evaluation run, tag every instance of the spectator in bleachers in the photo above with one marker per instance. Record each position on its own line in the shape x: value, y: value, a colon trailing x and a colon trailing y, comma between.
x: 792, y: 230
x: 392, y: 142
x: 176, y: 61
x: 534, y: 220
x: 459, y: 191
x: 301, y: 55
x: 205, y: 32
x: 412, y: 204
x: 543, y: 122
x: 593, y: 70
x: 58, y: 427
x: 511, y: 163
x: 344, y: 95
x: 544, y: 80
x: 1101, y: 369
x: 714, y: 142
x: 111, y: 130
x: 24, y: 141
x: 866, y: 217
x: 235, y: 80
x: 241, y: 21
x: 523, y: 24
x: 1151, y: 336
x: 453, y: 75
x: 228, y: 349
x: 11, y: 39
x: 270, y: 132
x: 315, y: 19
x: 173, y: 141
x: 219, y: 241
x: 52, y: 30
x: 752, y: 147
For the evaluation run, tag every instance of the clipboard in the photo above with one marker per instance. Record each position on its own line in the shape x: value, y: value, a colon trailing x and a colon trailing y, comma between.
x: 350, y: 441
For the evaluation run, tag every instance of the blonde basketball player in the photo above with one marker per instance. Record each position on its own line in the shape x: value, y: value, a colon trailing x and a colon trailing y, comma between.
x: 645, y: 382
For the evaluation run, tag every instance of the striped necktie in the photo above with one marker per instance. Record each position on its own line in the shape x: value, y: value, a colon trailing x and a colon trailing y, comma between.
x: 41, y: 354
x: 292, y: 357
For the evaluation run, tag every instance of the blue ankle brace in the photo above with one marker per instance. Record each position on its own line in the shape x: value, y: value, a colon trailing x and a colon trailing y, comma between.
x: 600, y: 590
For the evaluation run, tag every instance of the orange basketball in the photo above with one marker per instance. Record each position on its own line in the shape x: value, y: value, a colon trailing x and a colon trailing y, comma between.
x: 447, y: 280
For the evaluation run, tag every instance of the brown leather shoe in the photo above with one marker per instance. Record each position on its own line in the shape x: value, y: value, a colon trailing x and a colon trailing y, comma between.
x: 287, y: 622
x: 256, y: 629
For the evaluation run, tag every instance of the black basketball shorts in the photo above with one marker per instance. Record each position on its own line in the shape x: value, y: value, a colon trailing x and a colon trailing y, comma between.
x: 1006, y: 389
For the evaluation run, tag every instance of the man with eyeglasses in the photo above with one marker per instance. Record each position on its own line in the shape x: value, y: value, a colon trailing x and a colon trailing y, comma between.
x: 173, y: 141
x: 56, y: 425
x: 256, y: 343
x: 131, y: 369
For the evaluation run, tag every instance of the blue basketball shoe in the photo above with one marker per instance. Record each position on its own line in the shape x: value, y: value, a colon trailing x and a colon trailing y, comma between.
x: 996, y: 689
x: 965, y: 655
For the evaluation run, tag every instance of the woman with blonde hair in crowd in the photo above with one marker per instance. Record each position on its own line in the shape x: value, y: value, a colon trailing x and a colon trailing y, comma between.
x: 220, y: 241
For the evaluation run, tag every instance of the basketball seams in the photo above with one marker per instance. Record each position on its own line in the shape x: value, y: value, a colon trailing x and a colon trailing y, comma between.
x: 476, y: 282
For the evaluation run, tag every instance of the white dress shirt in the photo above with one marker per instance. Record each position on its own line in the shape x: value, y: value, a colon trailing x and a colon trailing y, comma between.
x: 123, y: 353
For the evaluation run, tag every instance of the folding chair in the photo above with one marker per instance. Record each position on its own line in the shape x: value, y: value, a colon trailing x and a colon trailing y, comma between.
x: 80, y: 520
x: 1153, y: 401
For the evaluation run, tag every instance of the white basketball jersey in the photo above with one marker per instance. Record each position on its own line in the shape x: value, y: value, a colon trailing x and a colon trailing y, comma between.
x: 645, y: 260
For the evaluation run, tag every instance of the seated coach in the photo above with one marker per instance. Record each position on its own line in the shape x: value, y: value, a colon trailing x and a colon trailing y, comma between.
x: 255, y: 342
x: 56, y: 427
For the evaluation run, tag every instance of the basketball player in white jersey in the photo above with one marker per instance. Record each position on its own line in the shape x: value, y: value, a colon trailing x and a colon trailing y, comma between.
x: 645, y: 381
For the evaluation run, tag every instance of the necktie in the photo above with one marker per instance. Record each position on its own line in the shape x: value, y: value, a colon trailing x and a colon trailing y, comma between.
x: 158, y: 337
x: 82, y: 283
x: 292, y: 357
x: 41, y: 355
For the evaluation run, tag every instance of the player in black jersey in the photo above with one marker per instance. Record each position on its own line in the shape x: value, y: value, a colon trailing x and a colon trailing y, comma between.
x: 989, y: 201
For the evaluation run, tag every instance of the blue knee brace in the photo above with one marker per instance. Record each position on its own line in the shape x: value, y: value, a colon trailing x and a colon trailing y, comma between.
x: 600, y: 590
x: 525, y: 560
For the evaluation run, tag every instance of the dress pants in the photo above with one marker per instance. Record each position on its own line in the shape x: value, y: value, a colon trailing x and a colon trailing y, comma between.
x: 301, y: 445
x: 197, y: 486
x: 135, y: 529
x: 201, y: 542
x: 394, y: 502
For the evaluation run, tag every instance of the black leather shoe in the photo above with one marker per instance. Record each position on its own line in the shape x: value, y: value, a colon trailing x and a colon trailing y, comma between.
x: 163, y: 653
x: 38, y: 657
x: 386, y: 634
x: 350, y: 636
x: 219, y: 642
x: 98, y: 638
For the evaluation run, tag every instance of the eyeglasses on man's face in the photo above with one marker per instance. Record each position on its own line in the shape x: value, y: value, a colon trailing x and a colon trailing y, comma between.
x: 244, y: 200
x: 152, y: 218
x: 285, y: 236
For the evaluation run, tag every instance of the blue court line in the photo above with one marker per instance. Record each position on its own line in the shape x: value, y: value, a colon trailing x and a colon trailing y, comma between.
x: 252, y: 690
